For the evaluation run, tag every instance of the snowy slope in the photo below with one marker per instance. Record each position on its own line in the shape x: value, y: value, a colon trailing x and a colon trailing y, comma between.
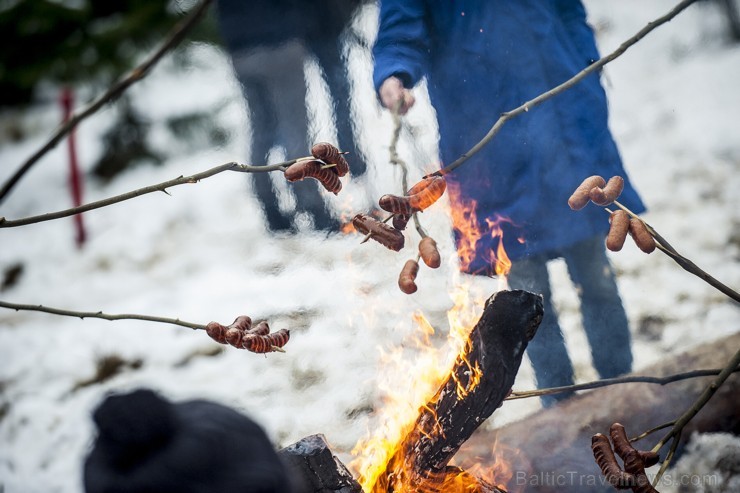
x: 203, y: 254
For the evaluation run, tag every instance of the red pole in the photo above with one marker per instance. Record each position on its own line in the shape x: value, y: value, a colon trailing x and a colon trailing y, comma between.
x: 75, y: 177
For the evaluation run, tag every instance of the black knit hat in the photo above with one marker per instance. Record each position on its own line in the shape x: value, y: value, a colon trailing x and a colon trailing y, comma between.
x: 146, y: 444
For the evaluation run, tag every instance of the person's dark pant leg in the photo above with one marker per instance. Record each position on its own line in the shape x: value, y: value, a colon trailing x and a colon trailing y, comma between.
x: 329, y: 54
x: 604, y: 317
x: 546, y: 351
x: 264, y: 125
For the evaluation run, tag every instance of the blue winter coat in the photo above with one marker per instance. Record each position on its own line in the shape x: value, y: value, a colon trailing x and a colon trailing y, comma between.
x: 482, y: 58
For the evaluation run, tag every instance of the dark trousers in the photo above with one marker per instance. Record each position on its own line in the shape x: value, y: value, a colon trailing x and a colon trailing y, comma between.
x: 603, y: 315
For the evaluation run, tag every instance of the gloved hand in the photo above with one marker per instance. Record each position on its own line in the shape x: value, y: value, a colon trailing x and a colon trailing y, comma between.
x: 394, y: 96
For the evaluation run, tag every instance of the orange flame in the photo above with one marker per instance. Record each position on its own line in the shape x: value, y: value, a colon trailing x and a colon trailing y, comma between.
x: 465, y: 222
x: 379, y: 462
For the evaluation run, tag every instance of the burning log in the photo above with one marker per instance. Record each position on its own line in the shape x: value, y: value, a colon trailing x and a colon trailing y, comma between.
x: 316, y: 469
x: 479, y: 381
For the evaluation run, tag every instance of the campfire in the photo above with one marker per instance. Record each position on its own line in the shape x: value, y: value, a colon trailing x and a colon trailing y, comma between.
x: 454, y: 389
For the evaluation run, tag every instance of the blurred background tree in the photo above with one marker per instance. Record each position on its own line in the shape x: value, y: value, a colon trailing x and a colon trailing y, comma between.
x: 52, y: 44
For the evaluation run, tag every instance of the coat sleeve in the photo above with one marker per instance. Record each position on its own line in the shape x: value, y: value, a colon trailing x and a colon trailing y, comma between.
x: 401, y: 47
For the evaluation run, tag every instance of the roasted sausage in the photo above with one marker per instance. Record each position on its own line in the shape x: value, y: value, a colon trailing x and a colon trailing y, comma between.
x: 408, y: 276
x: 310, y: 168
x: 426, y: 192
x: 580, y: 197
x: 264, y: 343
x: 387, y: 236
x: 620, y: 223
x: 395, y: 204
x: 606, y: 461
x: 429, y: 253
x: 330, y: 155
x: 609, y: 193
x: 400, y: 221
x: 217, y: 332
x: 642, y: 237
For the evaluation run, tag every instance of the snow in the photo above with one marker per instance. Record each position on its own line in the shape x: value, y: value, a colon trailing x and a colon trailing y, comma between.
x: 203, y: 254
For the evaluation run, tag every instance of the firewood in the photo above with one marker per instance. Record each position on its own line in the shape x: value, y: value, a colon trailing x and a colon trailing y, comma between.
x: 497, y: 343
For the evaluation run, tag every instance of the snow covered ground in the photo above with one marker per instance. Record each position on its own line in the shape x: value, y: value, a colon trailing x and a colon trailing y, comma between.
x: 203, y: 254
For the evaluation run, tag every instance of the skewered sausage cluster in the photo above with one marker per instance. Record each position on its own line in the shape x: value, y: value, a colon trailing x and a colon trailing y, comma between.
x: 603, y: 193
x: 326, y: 167
x: 635, y: 461
x: 242, y: 335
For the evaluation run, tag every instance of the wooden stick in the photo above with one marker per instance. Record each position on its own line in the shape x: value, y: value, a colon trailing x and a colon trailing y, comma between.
x: 160, y: 187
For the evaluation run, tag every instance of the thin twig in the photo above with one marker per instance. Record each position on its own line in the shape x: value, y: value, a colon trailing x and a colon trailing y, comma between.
x: 175, y: 36
x: 594, y: 67
x: 617, y: 380
x: 675, y: 432
x: 104, y: 316
x: 653, y: 430
x: 684, y: 262
x: 396, y: 159
x: 160, y: 187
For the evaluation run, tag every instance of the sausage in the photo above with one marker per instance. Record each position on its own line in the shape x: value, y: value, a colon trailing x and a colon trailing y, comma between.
x: 234, y: 337
x: 620, y: 223
x: 408, y: 276
x: 261, y: 329
x: 217, y: 332
x: 418, y: 198
x: 608, y: 194
x: 310, y: 168
x: 400, y: 221
x: 426, y: 192
x: 580, y: 197
x: 606, y: 461
x: 387, y: 236
x: 642, y: 237
x: 395, y: 204
x: 264, y: 343
x: 242, y: 322
x: 649, y: 458
x: 632, y: 458
x: 429, y: 253
x: 330, y: 155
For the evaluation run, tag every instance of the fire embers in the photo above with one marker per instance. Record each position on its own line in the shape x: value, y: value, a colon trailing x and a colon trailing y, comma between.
x: 621, y: 222
x: 429, y: 254
x: 329, y: 164
x: 418, y: 198
x: 387, y: 236
x: 242, y: 335
x: 635, y: 461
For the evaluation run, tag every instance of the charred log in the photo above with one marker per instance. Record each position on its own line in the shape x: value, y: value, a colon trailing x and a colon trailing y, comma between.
x: 480, y: 380
x: 315, y: 469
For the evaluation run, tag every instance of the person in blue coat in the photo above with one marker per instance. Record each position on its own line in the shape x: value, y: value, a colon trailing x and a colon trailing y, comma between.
x: 482, y: 58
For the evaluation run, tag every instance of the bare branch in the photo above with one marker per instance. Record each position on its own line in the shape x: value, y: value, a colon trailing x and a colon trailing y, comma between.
x: 675, y: 433
x: 160, y: 187
x: 594, y: 67
x: 615, y: 381
x: 176, y: 35
x: 104, y: 316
